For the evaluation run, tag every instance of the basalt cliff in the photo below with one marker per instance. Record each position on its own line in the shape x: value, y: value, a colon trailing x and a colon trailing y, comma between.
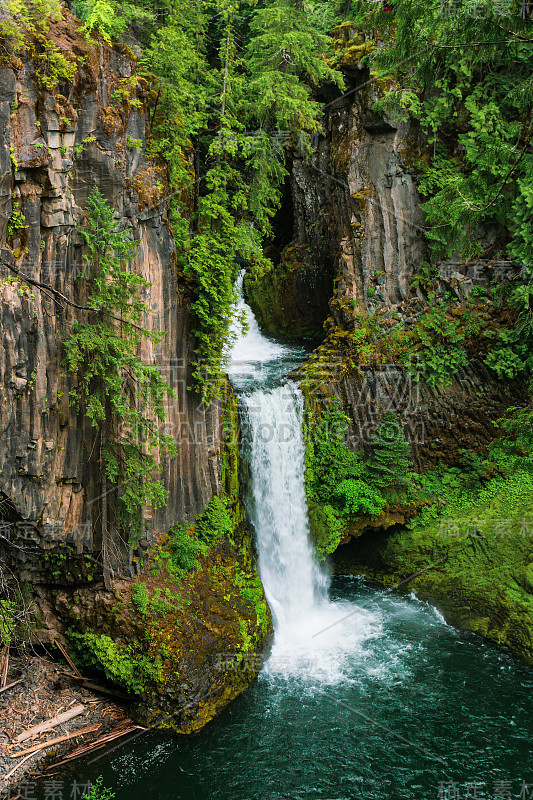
x: 351, y: 269
x: 163, y: 643
x: 397, y: 343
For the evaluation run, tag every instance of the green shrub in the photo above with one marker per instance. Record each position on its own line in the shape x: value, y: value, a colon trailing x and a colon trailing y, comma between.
x: 98, y: 792
x: 121, y: 663
x: 341, y: 483
x: 163, y: 603
x: 185, y: 548
x: 357, y: 497
x: 214, y: 522
x: 140, y: 597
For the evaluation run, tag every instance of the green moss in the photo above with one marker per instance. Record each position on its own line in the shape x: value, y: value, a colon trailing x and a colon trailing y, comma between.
x: 251, y: 590
x: 470, y: 550
x: 342, y: 485
x: 123, y: 664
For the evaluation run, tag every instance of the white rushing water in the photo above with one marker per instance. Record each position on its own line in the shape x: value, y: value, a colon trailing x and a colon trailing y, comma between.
x: 314, y: 638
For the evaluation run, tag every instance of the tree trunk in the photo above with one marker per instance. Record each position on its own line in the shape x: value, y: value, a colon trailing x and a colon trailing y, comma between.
x: 104, y: 511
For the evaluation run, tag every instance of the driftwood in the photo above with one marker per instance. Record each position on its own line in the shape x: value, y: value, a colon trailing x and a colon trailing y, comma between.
x: 4, y: 666
x: 96, y: 687
x: 97, y: 744
x: 10, y: 686
x: 57, y: 740
x: 15, y: 768
x: 63, y: 650
x: 50, y: 723
x: 88, y: 683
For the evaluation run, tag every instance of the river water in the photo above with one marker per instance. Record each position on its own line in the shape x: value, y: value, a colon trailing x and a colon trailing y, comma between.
x: 366, y: 694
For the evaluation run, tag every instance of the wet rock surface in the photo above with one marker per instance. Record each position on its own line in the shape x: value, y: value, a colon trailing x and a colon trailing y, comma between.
x: 54, y: 148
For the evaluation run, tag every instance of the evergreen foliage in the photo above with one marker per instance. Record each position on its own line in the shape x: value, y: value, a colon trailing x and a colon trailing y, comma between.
x: 230, y: 92
x: 466, y: 75
x: 341, y: 483
x: 121, y: 395
x: 464, y: 71
x: 235, y: 81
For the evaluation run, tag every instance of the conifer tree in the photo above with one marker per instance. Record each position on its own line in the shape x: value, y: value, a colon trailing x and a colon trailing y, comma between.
x: 122, y: 396
x: 391, y: 462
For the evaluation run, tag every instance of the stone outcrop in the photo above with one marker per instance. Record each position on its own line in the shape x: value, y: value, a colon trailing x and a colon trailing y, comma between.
x: 355, y: 202
x: 54, y: 147
x: 356, y: 209
x: 61, y: 152
x: 357, y: 217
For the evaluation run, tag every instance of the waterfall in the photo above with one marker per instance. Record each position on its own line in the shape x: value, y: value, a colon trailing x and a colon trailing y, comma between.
x: 293, y: 582
x: 313, y: 636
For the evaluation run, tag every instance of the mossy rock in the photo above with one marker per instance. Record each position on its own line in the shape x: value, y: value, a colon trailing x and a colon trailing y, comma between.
x: 482, y: 583
x: 191, y: 648
x: 291, y: 300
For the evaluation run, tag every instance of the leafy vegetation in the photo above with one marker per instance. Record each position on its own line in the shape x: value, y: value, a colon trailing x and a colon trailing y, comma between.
x: 341, y: 483
x: 121, y: 395
x: 464, y: 72
x: 8, y: 618
x: 214, y: 523
x: 17, y: 221
x: 438, y: 342
x: 97, y: 791
x: 123, y: 664
x: 26, y: 25
x: 470, y: 549
x: 179, y: 553
x: 233, y: 80
x: 230, y: 89
x: 140, y: 597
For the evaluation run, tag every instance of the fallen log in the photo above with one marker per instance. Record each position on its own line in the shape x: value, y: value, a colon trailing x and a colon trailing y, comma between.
x: 50, y: 723
x: 88, y: 683
x: 63, y: 650
x: 57, y: 740
x: 97, y: 744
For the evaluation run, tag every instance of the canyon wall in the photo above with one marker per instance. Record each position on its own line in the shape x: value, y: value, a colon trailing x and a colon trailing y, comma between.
x: 358, y: 223
x: 56, y: 144
x: 357, y: 218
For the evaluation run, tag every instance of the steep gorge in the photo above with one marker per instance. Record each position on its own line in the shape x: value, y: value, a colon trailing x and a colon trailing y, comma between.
x: 53, y: 149
x: 349, y: 272
x: 357, y: 219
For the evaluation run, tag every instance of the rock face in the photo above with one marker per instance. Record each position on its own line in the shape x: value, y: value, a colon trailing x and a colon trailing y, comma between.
x: 355, y: 203
x: 54, y: 147
x: 45, y: 471
x: 356, y: 209
x: 357, y: 217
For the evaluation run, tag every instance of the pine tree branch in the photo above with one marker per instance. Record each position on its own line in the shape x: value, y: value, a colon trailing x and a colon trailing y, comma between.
x: 45, y: 288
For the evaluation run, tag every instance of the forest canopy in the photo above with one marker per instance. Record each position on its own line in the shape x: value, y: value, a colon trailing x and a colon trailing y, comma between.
x: 236, y: 85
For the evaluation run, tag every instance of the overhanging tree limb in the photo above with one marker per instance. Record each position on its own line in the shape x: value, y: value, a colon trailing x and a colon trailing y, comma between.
x: 45, y: 288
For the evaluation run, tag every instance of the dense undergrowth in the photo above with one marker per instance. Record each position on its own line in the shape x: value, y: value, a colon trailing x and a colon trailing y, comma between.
x: 341, y: 483
x: 470, y: 549
x: 463, y: 72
